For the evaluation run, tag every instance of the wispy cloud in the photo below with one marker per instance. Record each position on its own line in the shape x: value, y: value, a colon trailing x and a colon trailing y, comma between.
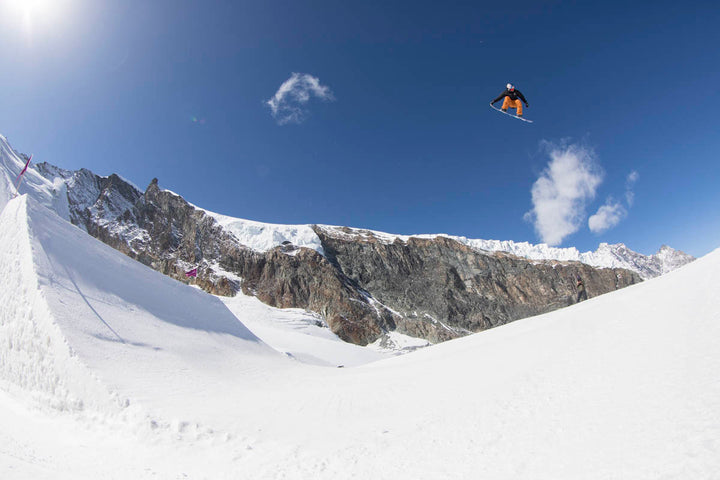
x: 289, y: 104
x: 563, y: 190
x: 613, y: 212
x: 629, y: 185
x: 607, y: 217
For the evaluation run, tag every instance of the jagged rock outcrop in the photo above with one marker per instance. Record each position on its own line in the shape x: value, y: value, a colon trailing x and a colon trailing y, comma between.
x: 363, y: 286
x: 442, y: 288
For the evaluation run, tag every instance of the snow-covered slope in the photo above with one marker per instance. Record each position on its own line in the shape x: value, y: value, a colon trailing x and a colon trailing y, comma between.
x: 51, y: 193
x: 70, y: 299
x: 148, y: 378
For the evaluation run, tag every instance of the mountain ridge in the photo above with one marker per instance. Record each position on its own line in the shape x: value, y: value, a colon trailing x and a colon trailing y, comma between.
x: 359, y: 281
x: 262, y: 236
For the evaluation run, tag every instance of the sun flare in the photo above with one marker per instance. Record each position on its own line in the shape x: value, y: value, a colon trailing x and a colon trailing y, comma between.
x: 31, y: 7
x: 35, y: 14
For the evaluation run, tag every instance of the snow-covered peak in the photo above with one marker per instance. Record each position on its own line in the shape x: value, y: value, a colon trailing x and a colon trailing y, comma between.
x: 265, y: 236
x: 671, y: 259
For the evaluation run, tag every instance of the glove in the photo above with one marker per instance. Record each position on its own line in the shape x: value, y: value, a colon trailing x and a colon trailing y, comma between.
x: 527, y: 105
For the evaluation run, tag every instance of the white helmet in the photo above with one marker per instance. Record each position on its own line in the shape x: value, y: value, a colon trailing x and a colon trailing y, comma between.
x: 510, y: 86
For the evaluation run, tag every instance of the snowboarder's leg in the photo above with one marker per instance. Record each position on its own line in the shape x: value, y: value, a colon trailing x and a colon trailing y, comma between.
x: 518, y: 105
x: 507, y: 103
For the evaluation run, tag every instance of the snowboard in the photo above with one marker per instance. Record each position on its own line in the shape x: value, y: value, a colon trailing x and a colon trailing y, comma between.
x: 511, y: 115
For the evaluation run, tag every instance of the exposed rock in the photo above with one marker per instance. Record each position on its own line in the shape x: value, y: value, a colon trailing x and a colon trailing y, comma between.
x: 442, y: 288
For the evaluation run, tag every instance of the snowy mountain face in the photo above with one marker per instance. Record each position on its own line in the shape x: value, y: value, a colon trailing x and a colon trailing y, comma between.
x: 93, y: 201
x: 668, y: 259
x: 362, y: 284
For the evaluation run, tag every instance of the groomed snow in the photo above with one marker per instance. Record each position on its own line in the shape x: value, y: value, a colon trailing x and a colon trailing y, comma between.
x: 111, y: 370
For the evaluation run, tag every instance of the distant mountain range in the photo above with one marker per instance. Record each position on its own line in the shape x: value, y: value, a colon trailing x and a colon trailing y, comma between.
x: 363, y: 284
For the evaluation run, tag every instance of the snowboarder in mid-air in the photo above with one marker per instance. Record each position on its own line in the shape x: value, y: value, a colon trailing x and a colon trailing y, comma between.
x: 513, y: 99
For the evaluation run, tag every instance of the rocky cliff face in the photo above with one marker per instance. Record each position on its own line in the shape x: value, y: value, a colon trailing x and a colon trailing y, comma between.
x: 441, y: 288
x: 363, y: 286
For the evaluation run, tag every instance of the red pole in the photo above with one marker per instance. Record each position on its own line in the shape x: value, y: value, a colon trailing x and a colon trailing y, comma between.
x: 20, y: 176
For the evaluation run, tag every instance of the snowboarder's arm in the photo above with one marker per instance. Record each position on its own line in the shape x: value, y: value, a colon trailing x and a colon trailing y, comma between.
x: 499, y: 97
x: 522, y: 97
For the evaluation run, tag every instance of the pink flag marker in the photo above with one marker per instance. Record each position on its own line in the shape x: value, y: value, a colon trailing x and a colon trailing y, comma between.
x: 20, y: 176
x: 191, y: 273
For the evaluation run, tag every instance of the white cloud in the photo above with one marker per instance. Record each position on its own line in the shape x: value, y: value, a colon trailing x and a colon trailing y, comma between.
x: 560, y: 195
x: 629, y: 184
x: 607, y: 217
x: 612, y: 213
x: 289, y: 104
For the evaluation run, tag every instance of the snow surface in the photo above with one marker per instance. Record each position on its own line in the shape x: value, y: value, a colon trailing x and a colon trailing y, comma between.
x: 304, y: 335
x: 52, y: 194
x: 108, y: 369
x: 265, y: 236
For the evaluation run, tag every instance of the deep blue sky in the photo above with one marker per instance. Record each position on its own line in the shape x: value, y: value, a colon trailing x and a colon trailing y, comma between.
x: 177, y: 89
